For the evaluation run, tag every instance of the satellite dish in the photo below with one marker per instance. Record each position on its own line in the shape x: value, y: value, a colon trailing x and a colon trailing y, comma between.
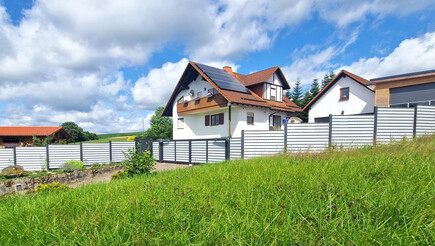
x: 192, y: 92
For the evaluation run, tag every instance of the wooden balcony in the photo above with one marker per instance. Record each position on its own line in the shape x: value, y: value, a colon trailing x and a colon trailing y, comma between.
x: 204, y: 103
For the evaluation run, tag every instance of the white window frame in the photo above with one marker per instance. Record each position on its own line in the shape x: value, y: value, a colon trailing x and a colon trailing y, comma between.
x: 180, y: 123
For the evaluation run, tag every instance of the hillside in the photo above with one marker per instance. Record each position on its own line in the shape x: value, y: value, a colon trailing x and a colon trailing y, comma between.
x: 383, y: 195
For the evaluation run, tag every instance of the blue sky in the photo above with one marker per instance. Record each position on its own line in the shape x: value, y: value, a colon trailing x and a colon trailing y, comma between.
x: 108, y: 64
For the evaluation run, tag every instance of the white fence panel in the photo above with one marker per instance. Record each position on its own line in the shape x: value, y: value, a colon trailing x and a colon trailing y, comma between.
x: 118, y: 149
x: 6, y: 158
x: 351, y: 131
x: 96, y: 153
x: 59, y: 154
x: 425, y: 120
x: 168, y: 151
x: 394, y: 124
x: 260, y: 143
x: 199, y: 151
x: 235, y: 148
x: 156, y: 150
x: 182, y: 154
x: 31, y: 158
x: 307, y: 137
x: 216, y: 151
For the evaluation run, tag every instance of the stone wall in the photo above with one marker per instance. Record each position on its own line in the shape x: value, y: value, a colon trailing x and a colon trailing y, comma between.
x: 24, y: 185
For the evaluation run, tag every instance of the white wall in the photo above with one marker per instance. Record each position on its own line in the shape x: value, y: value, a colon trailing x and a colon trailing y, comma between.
x: 361, y: 100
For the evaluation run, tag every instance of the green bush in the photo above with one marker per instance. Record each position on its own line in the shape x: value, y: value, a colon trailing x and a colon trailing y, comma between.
x: 138, y: 163
x: 72, y: 165
x: 56, y: 186
x: 119, y: 175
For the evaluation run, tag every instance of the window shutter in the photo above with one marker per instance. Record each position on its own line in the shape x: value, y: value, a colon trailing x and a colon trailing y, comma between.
x: 221, y: 118
x: 207, y: 120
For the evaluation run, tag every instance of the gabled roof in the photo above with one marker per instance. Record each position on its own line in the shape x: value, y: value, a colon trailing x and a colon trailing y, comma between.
x: 249, y: 97
x: 31, y: 130
x: 403, y: 76
x: 341, y: 74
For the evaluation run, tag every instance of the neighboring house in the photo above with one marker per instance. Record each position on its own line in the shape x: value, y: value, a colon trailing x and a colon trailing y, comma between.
x: 405, y: 90
x: 346, y: 94
x: 209, y: 102
x: 15, y: 136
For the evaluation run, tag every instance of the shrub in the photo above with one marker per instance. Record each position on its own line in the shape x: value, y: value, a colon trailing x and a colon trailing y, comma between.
x: 13, y: 171
x: 138, y: 163
x: 55, y: 186
x: 96, y: 166
x: 72, y: 165
x: 119, y: 175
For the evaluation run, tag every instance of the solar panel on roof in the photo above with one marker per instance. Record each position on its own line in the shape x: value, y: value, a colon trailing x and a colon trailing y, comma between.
x: 223, y: 79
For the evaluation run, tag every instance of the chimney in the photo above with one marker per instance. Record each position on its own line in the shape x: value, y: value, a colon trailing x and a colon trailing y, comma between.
x: 228, y: 69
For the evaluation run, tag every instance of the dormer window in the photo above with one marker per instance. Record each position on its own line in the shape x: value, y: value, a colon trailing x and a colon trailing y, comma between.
x: 272, y: 92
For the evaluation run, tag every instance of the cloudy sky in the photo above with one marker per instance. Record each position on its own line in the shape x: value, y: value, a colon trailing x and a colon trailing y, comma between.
x: 107, y: 64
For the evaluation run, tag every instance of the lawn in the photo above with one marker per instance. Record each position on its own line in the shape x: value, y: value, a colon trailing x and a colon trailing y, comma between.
x: 373, y: 196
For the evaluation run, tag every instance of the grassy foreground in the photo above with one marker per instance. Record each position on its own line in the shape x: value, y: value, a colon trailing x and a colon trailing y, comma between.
x: 383, y: 195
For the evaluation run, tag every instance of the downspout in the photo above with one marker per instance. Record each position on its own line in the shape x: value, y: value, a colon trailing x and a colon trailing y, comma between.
x: 229, y: 120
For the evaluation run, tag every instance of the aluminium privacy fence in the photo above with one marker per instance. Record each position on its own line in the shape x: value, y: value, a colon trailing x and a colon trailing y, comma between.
x: 54, y: 156
x: 345, y: 131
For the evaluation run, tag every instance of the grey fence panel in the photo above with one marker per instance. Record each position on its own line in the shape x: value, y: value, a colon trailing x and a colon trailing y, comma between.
x: 260, y: 143
x: 199, y: 149
x: 394, y: 124
x: 6, y: 158
x: 59, y: 154
x: 425, y: 120
x: 352, y: 131
x: 307, y: 137
x: 182, y: 151
x: 96, y: 153
x: 168, y: 151
x: 31, y: 158
x: 235, y: 148
x: 119, y: 148
x: 216, y: 151
x: 156, y: 150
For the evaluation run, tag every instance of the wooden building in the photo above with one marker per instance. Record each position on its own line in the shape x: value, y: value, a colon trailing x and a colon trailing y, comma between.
x: 20, y: 136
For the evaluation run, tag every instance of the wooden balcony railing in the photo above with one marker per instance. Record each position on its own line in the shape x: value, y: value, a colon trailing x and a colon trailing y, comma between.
x: 202, y: 104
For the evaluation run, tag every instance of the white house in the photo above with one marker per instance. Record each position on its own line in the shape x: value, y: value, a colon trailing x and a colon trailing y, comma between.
x: 346, y: 94
x: 209, y: 102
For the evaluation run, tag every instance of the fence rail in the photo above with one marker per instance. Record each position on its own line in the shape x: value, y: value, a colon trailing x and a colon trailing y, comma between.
x: 345, y: 131
x: 54, y: 156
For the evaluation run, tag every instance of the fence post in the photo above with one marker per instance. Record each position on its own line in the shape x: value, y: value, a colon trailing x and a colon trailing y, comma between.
x: 414, y: 130
x: 47, y: 157
x: 285, y: 137
x: 15, y: 156
x: 151, y: 148
x: 227, y: 149
x: 190, y: 151
x: 175, y: 150
x: 160, y: 151
x: 375, y: 126
x: 136, y: 141
x: 81, y: 151
x: 242, y: 145
x: 206, y: 151
x: 110, y: 151
x: 330, y: 131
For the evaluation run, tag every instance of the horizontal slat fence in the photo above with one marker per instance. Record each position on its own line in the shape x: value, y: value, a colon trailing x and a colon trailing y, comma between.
x: 347, y: 131
x: 425, y: 120
x: 307, y: 137
x: 259, y: 143
x: 6, y: 158
x: 35, y: 158
x: 351, y: 131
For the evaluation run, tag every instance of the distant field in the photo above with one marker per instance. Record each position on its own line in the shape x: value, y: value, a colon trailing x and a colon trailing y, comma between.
x: 112, y: 135
x: 374, y: 196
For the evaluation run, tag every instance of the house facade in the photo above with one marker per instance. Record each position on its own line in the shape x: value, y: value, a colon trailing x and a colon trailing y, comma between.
x: 20, y: 136
x: 209, y: 102
x: 346, y: 94
x: 405, y: 90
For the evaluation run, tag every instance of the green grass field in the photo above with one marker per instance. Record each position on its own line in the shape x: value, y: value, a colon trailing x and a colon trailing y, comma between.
x: 113, y: 135
x: 373, y: 196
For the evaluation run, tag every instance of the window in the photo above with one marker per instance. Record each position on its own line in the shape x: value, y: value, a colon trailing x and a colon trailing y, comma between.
x: 250, y: 118
x: 180, y: 123
x: 199, y: 94
x: 214, y: 120
x: 275, y: 122
x: 344, y: 93
x: 273, y: 93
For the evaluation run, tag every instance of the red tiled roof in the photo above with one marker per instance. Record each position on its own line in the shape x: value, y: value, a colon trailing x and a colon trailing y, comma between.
x: 357, y: 78
x: 30, y: 130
